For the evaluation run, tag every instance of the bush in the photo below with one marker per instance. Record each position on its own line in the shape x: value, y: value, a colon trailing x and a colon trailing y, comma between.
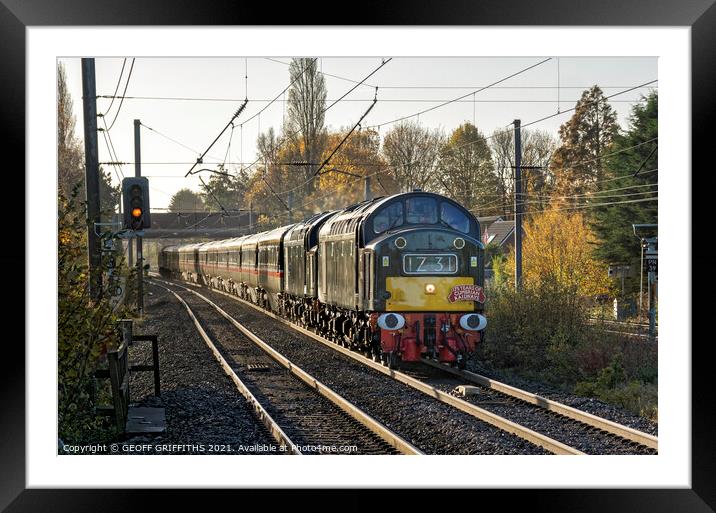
x: 543, y: 333
x: 86, y: 329
x: 535, y: 330
x: 612, y: 386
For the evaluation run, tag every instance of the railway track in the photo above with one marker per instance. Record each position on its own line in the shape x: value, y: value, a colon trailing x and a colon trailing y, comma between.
x: 592, y: 421
x: 303, y: 415
x: 629, y: 329
x: 516, y: 411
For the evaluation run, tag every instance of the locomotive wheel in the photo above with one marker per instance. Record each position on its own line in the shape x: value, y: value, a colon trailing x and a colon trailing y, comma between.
x: 391, y: 359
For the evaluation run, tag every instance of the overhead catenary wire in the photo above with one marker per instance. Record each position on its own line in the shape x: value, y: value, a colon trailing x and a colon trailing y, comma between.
x: 119, y: 81
x: 121, y: 102
x: 281, y: 93
x: 354, y: 100
x: 362, y: 164
x: 328, y: 159
x: 496, y: 132
x: 385, y: 61
x: 524, y: 125
x: 325, y: 162
x: 387, y: 167
x: 379, y: 125
x: 289, y: 136
x: 384, y: 170
x: 117, y: 165
x: 322, y: 72
x: 230, y: 123
x: 581, y: 207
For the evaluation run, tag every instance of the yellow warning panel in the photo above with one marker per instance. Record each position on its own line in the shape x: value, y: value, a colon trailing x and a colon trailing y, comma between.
x: 415, y: 294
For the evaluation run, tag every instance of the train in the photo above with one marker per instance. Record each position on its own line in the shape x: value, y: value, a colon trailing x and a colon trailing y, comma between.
x: 398, y: 278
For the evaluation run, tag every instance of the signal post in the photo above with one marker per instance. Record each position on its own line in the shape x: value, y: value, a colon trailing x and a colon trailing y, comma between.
x: 137, y: 217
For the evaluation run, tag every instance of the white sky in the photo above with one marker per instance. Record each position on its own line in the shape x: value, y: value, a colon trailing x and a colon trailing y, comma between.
x: 406, y: 85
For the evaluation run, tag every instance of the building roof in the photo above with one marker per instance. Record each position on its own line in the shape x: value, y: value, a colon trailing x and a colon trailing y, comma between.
x: 487, y: 221
x: 498, y: 233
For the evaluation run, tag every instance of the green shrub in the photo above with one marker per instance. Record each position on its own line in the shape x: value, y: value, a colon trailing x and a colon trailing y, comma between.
x: 543, y: 333
x: 535, y: 330
x: 86, y: 329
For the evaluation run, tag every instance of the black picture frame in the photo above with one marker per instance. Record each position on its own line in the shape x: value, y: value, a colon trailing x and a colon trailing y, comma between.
x: 16, y: 15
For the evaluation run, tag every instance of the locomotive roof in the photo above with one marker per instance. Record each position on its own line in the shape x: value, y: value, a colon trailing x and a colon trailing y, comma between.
x: 299, y: 230
x: 348, y: 219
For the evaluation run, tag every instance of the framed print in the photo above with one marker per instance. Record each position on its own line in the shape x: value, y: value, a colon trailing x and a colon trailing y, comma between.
x: 390, y: 262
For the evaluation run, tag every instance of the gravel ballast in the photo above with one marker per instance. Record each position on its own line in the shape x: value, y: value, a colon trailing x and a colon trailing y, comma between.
x: 432, y: 426
x: 205, y: 414
x: 587, y: 404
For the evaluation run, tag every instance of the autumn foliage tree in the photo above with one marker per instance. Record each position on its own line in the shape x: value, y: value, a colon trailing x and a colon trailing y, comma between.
x: 577, y: 163
x: 557, y: 249
x: 342, y: 180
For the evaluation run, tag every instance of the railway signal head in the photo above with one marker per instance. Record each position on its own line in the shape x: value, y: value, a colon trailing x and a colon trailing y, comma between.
x: 135, y: 194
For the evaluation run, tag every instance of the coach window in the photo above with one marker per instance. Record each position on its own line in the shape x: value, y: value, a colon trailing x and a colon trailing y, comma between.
x: 389, y: 217
x: 454, y: 217
x: 422, y: 210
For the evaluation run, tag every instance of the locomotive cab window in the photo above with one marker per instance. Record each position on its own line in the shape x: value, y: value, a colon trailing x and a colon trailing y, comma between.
x: 421, y: 211
x: 389, y: 217
x: 454, y: 217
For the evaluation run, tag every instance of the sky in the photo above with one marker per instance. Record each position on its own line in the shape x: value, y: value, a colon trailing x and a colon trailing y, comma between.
x: 184, y: 128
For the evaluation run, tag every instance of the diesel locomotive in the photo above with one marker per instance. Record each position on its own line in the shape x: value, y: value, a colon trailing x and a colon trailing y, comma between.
x: 398, y: 277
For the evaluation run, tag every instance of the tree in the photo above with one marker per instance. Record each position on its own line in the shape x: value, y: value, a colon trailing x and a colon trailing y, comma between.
x: 225, y: 191
x: 557, y: 249
x: 186, y: 200
x: 577, y: 164
x: 305, y: 118
x: 537, y: 150
x: 342, y: 181
x: 413, y: 153
x: 502, y: 143
x: 466, y: 170
x: 634, y: 150
x: 86, y: 326
x: 71, y: 158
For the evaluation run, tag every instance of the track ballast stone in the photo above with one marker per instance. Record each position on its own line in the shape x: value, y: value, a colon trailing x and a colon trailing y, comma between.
x: 205, y: 413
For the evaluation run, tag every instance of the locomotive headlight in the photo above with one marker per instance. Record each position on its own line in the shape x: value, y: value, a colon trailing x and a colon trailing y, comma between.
x: 391, y: 321
x: 430, y: 288
x: 473, y: 322
x: 459, y: 243
x: 400, y: 242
